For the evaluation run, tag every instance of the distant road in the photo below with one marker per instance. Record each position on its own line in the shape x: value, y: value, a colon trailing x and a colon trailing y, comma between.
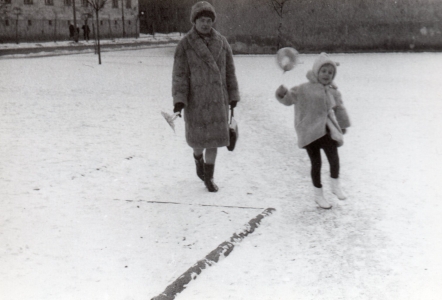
x: 72, y: 49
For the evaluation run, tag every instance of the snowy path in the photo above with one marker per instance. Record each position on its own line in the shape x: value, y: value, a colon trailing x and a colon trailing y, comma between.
x: 85, y: 152
x: 385, y: 241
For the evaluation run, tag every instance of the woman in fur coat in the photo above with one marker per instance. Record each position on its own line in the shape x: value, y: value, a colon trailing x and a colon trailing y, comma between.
x: 320, y: 121
x: 204, y: 84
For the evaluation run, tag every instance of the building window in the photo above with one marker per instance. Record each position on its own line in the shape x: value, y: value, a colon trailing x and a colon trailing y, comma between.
x: 128, y: 3
x: 29, y: 1
x: 84, y: 3
x: 29, y: 22
x: 115, y: 3
x: 7, y: 1
x: 129, y: 22
x: 50, y: 22
x: 101, y: 22
x: 67, y: 2
x: 6, y: 22
x: 49, y: 2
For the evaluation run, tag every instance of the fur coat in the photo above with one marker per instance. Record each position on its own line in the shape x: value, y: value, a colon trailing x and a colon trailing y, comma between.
x: 204, y: 81
x: 313, y: 102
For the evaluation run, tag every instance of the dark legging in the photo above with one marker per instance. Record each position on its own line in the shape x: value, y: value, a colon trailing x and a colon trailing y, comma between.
x: 330, y: 148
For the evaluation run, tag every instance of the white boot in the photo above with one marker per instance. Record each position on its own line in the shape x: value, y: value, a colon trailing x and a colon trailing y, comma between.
x: 336, y: 189
x: 320, y: 200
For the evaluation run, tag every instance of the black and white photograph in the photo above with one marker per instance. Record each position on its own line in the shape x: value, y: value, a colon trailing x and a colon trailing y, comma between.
x: 220, y: 149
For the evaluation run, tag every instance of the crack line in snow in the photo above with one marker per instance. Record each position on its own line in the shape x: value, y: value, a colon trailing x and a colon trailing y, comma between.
x: 223, y: 250
x: 166, y: 202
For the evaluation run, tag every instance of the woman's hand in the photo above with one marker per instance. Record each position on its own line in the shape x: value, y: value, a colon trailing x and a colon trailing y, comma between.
x: 178, y: 108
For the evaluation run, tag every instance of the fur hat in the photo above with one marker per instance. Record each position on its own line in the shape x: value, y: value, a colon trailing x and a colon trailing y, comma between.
x: 200, y: 7
x: 322, y: 60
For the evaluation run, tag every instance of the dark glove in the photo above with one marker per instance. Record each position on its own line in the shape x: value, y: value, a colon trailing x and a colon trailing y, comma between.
x: 178, y: 108
x: 233, y: 104
x: 281, y: 91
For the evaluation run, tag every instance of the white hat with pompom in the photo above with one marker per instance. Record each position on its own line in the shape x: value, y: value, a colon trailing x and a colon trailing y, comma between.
x: 323, y: 59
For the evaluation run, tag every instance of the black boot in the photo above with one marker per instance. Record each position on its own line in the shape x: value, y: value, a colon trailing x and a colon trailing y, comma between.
x: 208, y: 178
x: 199, y: 162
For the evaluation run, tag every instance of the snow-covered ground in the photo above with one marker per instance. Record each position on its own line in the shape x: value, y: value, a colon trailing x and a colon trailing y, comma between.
x: 89, y: 169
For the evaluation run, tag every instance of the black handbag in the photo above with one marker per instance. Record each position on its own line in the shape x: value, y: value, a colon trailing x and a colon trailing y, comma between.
x: 233, y: 131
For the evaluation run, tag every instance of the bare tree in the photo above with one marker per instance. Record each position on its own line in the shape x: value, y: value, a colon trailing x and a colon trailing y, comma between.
x: 278, y: 7
x: 98, y: 5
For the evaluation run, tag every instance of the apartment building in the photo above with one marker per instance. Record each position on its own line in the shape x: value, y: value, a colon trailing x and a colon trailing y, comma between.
x: 49, y: 20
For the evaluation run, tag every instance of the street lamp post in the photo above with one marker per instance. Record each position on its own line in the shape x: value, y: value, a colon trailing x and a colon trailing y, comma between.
x: 17, y: 12
x: 122, y: 17
x: 75, y: 22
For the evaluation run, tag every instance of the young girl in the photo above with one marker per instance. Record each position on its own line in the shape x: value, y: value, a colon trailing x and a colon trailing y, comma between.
x: 320, y: 121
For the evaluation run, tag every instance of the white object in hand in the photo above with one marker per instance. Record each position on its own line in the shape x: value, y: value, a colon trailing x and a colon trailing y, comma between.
x: 170, y: 118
